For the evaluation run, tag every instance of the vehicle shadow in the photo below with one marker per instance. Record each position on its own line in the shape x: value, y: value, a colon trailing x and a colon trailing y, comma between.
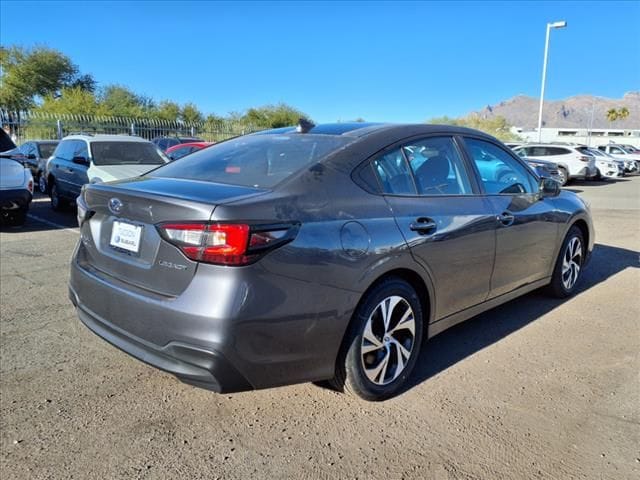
x: 41, y: 218
x: 467, y: 338
x: 598, y: 183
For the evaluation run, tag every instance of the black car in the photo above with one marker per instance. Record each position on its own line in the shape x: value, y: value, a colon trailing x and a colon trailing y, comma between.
x: 326, y: 252
x: 163, y: 143
x: 34, y: 155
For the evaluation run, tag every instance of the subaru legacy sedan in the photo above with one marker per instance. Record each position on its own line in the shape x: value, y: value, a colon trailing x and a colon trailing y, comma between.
x: 326, y: 252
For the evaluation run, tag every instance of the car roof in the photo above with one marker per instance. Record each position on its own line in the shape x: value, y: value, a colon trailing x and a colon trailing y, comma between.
x: 105, y: 138
x: 361, y: 129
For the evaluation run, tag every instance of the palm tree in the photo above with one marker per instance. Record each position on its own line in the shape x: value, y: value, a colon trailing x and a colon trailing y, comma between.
x: 623, y: 113
x: 612, y: 115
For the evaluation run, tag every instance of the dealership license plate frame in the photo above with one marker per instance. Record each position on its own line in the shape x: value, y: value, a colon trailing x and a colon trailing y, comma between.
x: 126, y: 237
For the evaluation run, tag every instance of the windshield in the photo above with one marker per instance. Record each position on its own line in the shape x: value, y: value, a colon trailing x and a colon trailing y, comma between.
x: 253, y: 160
x: 46, y: 149
x: 125, y: 153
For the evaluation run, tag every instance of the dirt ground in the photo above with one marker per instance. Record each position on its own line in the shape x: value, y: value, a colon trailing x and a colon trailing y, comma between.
x: 537, y: 388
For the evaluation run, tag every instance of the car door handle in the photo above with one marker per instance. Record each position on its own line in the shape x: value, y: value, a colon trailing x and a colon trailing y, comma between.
x: 506, y: 219
x: 423, y: 226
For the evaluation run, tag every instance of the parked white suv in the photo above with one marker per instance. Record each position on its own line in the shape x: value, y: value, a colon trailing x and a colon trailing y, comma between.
x: 630, y: 157
x: 571, y: 162
x: 82, y: 159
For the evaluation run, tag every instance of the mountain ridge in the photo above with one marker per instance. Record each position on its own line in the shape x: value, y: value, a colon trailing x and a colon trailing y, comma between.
x: 573, y: 112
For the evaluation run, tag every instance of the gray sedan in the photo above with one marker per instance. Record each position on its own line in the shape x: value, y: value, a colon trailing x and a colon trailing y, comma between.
x: 315, y: 253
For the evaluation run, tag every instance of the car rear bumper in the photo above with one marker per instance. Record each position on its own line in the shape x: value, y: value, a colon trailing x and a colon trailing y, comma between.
x: 14, y: 199
x: 191, y: 364
x: 586, y: 172
x: 230, y: 330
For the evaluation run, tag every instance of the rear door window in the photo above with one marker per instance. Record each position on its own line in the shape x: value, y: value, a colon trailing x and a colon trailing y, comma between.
x: 394, y: 173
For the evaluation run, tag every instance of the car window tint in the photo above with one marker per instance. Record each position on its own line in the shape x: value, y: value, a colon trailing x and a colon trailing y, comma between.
x: 80, y: 149
x: 615, y: 150
x: 437, y: 167
x: 500, y: 173
x: 254, y: 160
x: 125, y: 153
x: 46, y: 149
x: 65, y: 150
x: 394, y: 174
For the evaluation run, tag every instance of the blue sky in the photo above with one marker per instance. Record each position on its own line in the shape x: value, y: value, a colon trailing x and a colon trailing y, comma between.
x: 382, y: 61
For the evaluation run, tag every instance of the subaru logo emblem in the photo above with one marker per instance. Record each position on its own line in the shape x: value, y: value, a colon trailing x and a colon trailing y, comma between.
x: 115, y: 205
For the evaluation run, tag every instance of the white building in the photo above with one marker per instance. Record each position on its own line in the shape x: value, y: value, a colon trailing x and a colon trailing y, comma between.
x: 590, y: 137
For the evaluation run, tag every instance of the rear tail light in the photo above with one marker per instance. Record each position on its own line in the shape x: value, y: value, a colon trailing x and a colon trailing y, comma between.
x: 30, y: 186
x: 226, y: 243
x: 584, y: 158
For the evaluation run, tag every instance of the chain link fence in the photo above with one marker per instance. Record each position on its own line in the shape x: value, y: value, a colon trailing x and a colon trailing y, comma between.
x: 23, y: 126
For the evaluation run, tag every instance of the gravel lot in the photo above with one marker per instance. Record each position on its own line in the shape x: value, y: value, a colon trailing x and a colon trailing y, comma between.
x: 537, y: 388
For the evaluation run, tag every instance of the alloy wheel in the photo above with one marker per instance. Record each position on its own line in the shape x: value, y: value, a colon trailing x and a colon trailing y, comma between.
x: 571, y: 262
x: 388, y: 340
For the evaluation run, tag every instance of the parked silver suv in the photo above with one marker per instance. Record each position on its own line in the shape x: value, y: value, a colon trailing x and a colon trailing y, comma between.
x: 572, y: 163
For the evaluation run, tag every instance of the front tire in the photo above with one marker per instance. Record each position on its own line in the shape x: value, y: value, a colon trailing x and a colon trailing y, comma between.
x: 568, y: 269
x: 383, y: 342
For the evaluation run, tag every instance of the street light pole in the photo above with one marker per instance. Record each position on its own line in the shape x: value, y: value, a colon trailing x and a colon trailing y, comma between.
x: 561, y: 24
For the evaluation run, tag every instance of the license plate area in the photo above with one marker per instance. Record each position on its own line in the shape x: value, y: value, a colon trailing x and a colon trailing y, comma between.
x: 126, y: 237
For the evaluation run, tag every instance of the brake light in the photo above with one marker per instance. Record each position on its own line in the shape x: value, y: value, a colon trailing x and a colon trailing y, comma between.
x: 226, y: 243
x: 30, y: 186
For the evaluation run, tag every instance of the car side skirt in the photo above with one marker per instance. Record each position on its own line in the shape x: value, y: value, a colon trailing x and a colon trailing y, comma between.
x: 441, y: 325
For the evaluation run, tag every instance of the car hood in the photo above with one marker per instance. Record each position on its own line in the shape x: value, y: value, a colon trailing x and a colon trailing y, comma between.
x: 109, y: 173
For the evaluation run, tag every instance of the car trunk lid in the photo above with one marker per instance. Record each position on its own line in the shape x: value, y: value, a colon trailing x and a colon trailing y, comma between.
x: 120, y: 236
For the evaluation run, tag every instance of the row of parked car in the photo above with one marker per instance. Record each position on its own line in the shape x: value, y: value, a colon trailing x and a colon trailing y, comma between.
x: 570, y: 161
x: 61, y: 168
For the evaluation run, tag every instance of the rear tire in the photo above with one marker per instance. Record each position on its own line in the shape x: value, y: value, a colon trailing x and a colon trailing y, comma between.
x: 382, y: 344
x: 58, y: 203
x: 15, y: 218
x: 568, y: 270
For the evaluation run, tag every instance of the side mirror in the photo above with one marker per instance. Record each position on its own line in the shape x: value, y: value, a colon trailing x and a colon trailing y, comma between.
x: 31, y: 156
x: 80, y: 160
x: 549, y: 188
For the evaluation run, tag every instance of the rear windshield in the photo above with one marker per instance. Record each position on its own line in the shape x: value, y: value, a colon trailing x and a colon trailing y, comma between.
x: 253, y: 160
x: 125, y: 153
x: 46, y: 149
x: 190, y: 140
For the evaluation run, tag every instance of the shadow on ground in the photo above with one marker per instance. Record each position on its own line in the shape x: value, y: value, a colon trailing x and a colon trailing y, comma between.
x: 477, y: 333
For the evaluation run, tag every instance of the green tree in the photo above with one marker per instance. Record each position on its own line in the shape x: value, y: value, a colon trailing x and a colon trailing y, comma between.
x: 75, y: 101
x: 623, y: 113
x: 273, y: 116
x: 119, y: 101
x: 496, y: 126
x: 612, y: 115
x: 167, y: 110
x: 190, y: 113
x: 30, y: 74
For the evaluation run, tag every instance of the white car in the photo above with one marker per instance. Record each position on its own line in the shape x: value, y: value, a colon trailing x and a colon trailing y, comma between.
x: 572, y: 163
x: 82, y: 159
x: 608, y: 166
x: 630, y: 157
x: 16, y: 192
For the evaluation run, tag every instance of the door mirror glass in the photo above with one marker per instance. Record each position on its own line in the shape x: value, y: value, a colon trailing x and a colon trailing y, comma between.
x: 549, y: 187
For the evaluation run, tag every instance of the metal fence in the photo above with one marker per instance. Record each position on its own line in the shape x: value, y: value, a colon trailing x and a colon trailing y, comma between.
x: 23, y: 126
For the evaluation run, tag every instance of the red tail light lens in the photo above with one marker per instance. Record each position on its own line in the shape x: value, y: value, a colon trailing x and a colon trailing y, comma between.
x: 226, y: 243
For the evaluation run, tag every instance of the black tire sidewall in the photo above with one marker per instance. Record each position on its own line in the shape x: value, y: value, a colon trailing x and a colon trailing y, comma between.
x: 355, y: 378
